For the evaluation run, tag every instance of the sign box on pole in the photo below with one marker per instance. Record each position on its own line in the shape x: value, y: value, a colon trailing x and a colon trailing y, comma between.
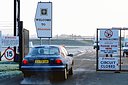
x: 43, y: 19
x: 0, y: 41
x: 109, y: 41
x: 10, y: 41
x: 108, y: 63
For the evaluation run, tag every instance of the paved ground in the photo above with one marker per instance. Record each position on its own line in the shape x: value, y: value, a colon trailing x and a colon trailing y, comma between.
x: 84, y: 74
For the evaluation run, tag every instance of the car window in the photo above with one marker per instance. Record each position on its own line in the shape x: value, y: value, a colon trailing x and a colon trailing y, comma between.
x: 64, y: 52
x: 34, y: 52
x: 126, y: 44
x: 51, y: 51
x: 44, y: 51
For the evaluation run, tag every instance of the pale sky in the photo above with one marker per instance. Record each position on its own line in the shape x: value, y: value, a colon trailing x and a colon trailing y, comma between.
x: 80, y: 17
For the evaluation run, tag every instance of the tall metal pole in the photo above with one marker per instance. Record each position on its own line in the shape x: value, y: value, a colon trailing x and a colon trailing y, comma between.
x: 16, y: 20
x: 97, y: 58
x: 49, y: 40
x: 20, y: 26
x: 40, y: 41
x: 15, y: 17
x: 120, y: 50
x: 18, y: 15
x: 15, y: 26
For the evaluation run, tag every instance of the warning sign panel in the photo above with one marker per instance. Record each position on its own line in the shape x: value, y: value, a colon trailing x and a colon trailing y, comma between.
x: 108, y: 33
x: 9, y: 54
x: 108, y: 63
x: 10, y: 41
x: 109, y: 41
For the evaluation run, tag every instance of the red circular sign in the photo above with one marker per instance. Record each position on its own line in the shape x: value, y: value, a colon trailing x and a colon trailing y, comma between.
x: 9, y: 54
x: 108, y: 33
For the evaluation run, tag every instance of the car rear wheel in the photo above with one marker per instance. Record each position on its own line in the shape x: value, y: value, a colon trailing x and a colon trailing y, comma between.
x: 71, y: 71
x: 64, y: 75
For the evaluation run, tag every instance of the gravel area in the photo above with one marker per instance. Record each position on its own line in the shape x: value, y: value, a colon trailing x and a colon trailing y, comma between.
x: 9, y: 70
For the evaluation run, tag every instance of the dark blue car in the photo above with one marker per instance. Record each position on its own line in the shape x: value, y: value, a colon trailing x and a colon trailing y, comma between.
x: 51, y: 59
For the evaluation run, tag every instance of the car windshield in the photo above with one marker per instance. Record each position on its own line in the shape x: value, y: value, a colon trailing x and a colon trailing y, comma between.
x: 44, y: 51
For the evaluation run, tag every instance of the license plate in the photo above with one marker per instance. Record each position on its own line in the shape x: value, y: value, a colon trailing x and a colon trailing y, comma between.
x: 41, y: 61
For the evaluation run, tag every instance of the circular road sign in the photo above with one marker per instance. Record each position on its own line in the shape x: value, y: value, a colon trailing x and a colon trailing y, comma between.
x: 108, y: 33
x: 9, y: 54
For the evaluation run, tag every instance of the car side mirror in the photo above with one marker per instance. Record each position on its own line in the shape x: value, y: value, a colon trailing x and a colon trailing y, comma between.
x: 71, y: 55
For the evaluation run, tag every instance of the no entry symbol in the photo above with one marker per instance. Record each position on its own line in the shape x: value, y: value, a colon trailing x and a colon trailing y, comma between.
x: 108, y: 33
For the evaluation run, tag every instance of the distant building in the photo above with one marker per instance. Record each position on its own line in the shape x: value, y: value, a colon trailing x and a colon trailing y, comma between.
x: 73, y: 37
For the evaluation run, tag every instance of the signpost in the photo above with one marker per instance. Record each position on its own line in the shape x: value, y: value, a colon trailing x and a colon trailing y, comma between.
x: 7, y: 42
x: 108, y: 63
x: 43, y: 20
x: 10, y: 41
x: 109, y: 41
x: 0, y: 42
x: 108, y: 45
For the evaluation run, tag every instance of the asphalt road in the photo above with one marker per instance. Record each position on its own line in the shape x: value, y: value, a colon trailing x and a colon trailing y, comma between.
x: 84, y: 74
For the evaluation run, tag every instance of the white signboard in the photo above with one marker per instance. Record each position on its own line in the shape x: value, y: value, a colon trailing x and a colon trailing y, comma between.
x: 0, y: 41
x: 108, y: 63
x: 10, y: 41
x: 109, y: 41
x: 43, y: 19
